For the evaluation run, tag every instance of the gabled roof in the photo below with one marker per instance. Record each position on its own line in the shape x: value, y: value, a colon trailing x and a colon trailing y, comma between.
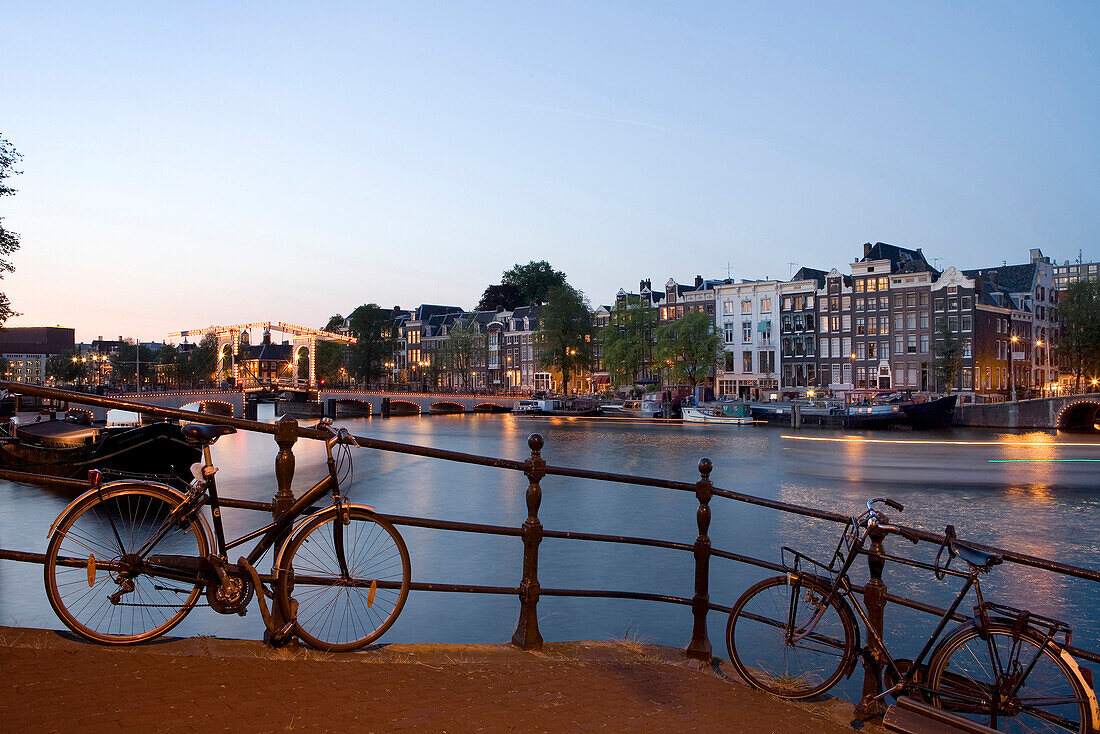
x: 811, y: 274
x: 1011, y: 278
x: 902, y: 259
x: 426, y: 310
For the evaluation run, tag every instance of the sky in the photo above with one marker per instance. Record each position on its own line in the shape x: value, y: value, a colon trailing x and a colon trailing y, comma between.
x: 189, y: 164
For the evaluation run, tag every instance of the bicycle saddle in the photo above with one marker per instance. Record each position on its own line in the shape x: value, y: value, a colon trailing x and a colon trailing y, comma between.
x: 206, y: 434
x: 976, y: 557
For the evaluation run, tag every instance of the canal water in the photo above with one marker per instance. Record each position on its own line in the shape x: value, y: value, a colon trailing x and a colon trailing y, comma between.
x: 1037, y: 493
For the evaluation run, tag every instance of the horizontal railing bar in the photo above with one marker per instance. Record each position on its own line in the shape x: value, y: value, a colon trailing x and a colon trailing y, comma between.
x: 48, y: 480
x: 465, y: 527
x: 626, y: 539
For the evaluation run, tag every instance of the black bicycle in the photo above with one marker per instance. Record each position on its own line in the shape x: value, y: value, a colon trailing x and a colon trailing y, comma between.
x: 128, y: 560
x: 796, y: 636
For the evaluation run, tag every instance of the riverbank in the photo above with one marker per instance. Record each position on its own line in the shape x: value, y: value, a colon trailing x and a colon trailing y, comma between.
x: 50, y: 681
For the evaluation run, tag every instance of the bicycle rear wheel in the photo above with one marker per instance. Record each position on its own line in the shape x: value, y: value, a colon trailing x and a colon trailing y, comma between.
x: 96, y: 584
x: 783, y: 639
x: 968, y: 674
x: 334, y: 611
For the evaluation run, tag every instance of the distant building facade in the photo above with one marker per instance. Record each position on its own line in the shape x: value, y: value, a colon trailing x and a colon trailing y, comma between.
x: 27, y: 348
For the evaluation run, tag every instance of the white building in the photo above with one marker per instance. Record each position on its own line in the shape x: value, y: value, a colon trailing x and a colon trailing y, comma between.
x: 747, y: 316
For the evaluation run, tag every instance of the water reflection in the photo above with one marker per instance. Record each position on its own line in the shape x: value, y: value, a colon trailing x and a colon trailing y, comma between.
x: 1046, y: 509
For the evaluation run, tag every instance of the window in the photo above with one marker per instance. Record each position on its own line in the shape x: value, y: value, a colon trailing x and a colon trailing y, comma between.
x: 872, y: 350
x: 847, y: 353
x: 846, y: 302
x: 810, y: 346
x: 872, y: 325
x: 884, y: 350
x: 746, y: 306
x: 968, y: 348
x: 847, y: 370
x: 899, y: 321
x: 884, y: 324
x: 824, y: 304
x: 861, y: 350
x: 883, y: 283
x: 859, y: 304
x: 785, y: 323
x: 861, y: 377
x: 846, y: 322
x: 911, y: 320
x: 899, y: 376
x: 870, y: 284
x: 861, y: 328
x: 924, y: 298
x: 798, y: 303
x: 924, y: 344
x: 871, y: 303
x: 834, y: 304
x: 897, y: 300
x: 810, y: 326
x: 910, y: 299
x: 746, y: 362
x: 911, y: 344
x: 924, y: 319
x: 967, y: 378
x: 911, y: 373
x: 765, y: 305
x: 825, y: 348
x: 731, y: 332
x: 966, y: 323
x: 787, y: 303
x: 835, y: 346
x: 952, y: 323
x: 746, y: 332
x: 727, y: 307
x: 952, y: 304
x: 859, y: 284
x: 809, y: 301
x: 766, y: 360
x: 899, y: 345
x: 939, y: 304
x: 798, y: 322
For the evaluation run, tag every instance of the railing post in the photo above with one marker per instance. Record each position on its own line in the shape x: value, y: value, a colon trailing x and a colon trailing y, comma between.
x: 874, y: 598
x: 286, y: 434
x: 699, y: 646
x: 527, y: 635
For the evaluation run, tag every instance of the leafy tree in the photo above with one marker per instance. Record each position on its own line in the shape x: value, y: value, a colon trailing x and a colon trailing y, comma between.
x: 626, y: 342
x: 1078, y: 341
x: 130, y: 356
x: 564, y: 338
x: 464, y: 351
x: 372, y: 327
x: 330, y: 355
x: 65, y: 367
x: 168, y: 364
x: 947, y: 356
x: 201, y: 361
x: 690, y: 346
x: 505, y: 295
x: 9, y: 241
x: 534, y: 280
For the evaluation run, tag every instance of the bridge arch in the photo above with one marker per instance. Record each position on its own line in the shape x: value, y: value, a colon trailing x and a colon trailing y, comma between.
x: 404, y: 407
x: 489, y: 408
x: 352, y: 407
x: 445, y: 407
x: 212, y: 407
x: 1080, y: 415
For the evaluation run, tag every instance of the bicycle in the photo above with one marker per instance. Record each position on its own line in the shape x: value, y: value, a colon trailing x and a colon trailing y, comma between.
x: 128, y: 560
x: 795, y: 636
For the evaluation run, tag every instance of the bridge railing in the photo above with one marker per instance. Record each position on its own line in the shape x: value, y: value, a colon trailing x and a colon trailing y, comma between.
x: 531, y: 532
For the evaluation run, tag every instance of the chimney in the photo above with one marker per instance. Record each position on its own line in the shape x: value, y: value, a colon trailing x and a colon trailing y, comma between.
x: 867, y: 248
x: 641, y: 286
x: 698, y: 280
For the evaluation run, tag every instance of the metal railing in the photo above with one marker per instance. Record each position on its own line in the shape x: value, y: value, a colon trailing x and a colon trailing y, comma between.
x: 529, y: 591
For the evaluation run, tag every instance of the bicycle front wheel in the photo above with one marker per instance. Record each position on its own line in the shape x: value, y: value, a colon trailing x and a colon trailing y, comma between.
x: 784, y: 639
x: 981, y: 680
x: 95, y: 582
x: 339, y: 608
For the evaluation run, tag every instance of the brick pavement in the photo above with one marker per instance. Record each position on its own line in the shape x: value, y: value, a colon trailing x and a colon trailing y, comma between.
x: 52, y: 683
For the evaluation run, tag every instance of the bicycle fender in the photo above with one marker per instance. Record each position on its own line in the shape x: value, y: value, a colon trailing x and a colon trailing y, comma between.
x: 1094, y: 708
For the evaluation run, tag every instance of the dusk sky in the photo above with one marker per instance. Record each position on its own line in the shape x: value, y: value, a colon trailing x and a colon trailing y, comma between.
x: 187, y: 164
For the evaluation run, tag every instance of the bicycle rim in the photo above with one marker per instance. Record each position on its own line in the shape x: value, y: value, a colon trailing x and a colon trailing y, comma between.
x: 84, y: 566
x: 963, y: 679
x: 332, y: 612
x: 790, y: 661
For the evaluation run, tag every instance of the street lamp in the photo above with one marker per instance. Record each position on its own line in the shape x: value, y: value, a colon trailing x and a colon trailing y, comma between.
x: 852, y: 369
x: 1042, y: 367
x: 1012, y: 367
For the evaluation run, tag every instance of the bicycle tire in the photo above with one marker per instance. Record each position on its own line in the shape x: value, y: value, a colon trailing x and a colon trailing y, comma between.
x: 85, y: 565
x: 757, y: 632
x: 1051, y: 699
x: 336, y: 614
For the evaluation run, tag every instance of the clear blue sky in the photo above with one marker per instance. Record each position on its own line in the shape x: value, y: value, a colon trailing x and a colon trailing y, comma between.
x: 197, y: 163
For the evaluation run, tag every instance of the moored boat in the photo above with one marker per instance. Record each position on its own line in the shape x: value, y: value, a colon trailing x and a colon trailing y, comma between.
x: 61, y: 447
x: 734, y: 415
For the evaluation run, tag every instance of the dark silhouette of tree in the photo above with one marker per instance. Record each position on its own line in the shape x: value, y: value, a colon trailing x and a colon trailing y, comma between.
x: 9, y: 241
x: 1078, y: 341
x: 626, y: 343
x: 534, y: 280
x: 947, y: 356
x: 372, y: 327
x: 564, y: 336
x: 505, y: 295
x: 689, y: 347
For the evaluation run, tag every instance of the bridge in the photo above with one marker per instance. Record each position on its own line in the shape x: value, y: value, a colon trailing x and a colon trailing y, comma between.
x: 333, y: 403
x: 1067, y: 413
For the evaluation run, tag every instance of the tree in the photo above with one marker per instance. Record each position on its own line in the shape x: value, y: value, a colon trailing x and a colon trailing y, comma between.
x: 690, y: 346
x: 564, y: 338
x: 201, y: 361
x: 1078, y: 341
x: 947, y: 356
x: 9, y: 241
x: 626, y: 342
x: 329, y: 359
x: 130, y: 357
x: 65, y: 367
x: 534, y: 281
x: 505, y: 295
x: 375, y: 341
x: 464, y: 348
x: 168, y: 365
